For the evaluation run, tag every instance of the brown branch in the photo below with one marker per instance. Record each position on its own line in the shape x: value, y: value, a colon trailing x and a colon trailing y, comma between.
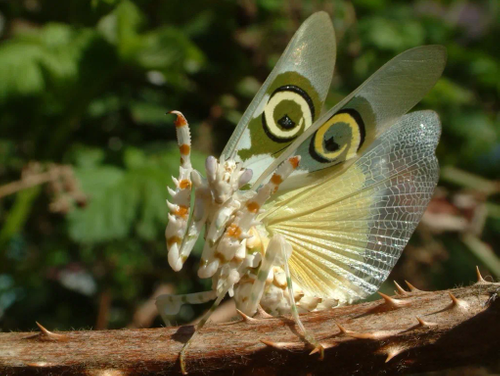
x: 63, y: 185
x: 416, y: 332
x: 26, y: 182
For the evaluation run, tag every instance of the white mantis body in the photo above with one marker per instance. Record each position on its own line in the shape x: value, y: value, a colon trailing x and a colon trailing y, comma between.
x: 238, y: 254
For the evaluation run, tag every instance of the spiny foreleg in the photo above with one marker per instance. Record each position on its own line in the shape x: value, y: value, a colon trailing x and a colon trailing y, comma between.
x: 179, y: 204
x: 201, y: 212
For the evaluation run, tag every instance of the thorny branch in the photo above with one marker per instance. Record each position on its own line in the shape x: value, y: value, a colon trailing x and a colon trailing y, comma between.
x: 413, y: 331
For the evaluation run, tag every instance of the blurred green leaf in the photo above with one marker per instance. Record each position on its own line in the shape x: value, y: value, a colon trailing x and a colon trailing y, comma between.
x: 104, y: 106
x: 391, y: 35
x: 20, y: 70
x: 166, y: 49
x: 128, y: 20
x: 148, y: 113
x: 85, y: 157
x: 134, y: 158
x: 120, y: 198
x: 476, y: 131
x: 111, y: 208
x: 447, y: 91
x: 37, y: 59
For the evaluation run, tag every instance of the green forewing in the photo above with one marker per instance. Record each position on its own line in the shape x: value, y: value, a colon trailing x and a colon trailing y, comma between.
x: 290, y: 100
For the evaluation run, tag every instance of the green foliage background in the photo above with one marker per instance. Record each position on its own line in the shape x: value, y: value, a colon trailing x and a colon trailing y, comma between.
x: 88, y: 83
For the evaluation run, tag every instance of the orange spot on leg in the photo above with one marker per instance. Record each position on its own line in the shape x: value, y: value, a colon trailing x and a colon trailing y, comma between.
x: 294, y: 161
x: 182, y: 211
x: 180, y: 121
x: 185, y: 149
x: 276, y: 179
x: 185, y: 184
x: 173, y: 240
x: 253, y: 207
x: 234, y: 231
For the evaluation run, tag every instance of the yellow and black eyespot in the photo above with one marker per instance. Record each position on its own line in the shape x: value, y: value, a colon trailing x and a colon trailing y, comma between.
x: 288, y: 112
x: 339, y: 138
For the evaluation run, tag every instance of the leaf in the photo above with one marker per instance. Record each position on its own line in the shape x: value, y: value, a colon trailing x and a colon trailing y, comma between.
x: 168, y: 47
x: 134, y: 158
x: 86, y: 157
x: 149, y: 113
x: 20, y: 73
x: 124, y: 200
x: 121, y: 28
x: 386, y: 34
x: 111, y: 208
x: 50, y: 57
x: 447, y: 91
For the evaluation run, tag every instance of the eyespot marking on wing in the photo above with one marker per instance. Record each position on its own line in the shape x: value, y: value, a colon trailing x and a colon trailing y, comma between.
x: 339, y: 138
x: 291, y: 106
x: 288, y: 112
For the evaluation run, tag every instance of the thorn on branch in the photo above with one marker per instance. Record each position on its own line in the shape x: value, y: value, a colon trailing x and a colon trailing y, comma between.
x: 47, y: 335
x: 263, y: 314
x: 391, y: 303
x: 393, y: 352
x: 279, y: 345
x: 457, y: 303
x: 400, y: 290
x: 424, y: 324
x: 413, y: 288
x: 373, y: 335
x: 320, y: 349
x: 480, y: 278
x: 246, y: 318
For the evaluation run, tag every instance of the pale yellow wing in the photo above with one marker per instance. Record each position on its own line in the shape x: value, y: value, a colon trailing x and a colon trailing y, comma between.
x: 349, y: 229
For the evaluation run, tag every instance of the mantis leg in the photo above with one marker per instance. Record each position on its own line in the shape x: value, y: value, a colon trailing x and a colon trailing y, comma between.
x: 180, y: 197
x: 275, y: 248
x: 229, y: 283
x: 171, y: 304
x: 295, y: 314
